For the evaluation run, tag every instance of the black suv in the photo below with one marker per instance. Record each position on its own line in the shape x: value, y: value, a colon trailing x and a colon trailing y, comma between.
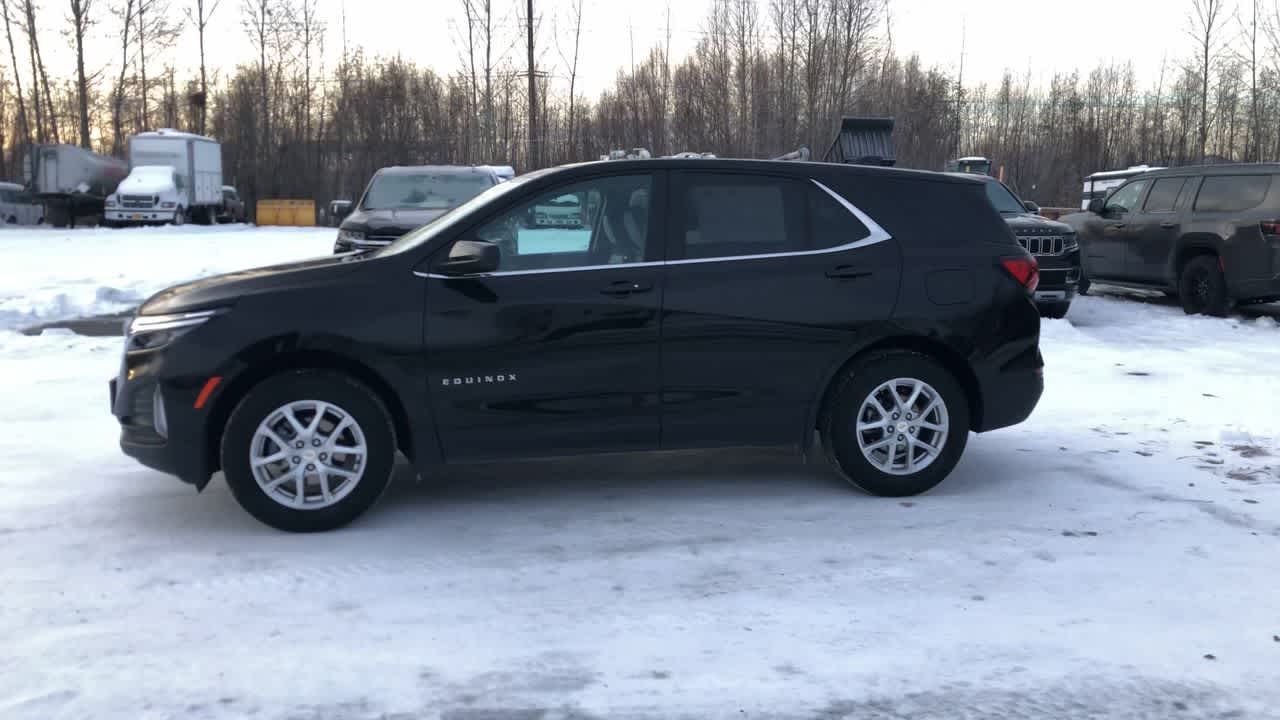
x: 1052, y: 243
x: 1209, y: 235
x: 400, y: 199
x: 604, y: 307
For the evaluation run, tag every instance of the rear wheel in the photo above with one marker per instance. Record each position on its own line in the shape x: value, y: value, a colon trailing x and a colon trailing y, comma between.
x: 896, y: 424
x: 1202, y: 288
x: 179, y: 217
x: 308, y: 451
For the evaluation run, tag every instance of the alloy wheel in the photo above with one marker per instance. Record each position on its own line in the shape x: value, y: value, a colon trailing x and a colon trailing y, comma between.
x: 902, y: 426
x: 308, y: 454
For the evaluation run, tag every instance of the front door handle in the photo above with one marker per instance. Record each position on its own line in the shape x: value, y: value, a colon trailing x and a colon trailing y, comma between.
x: 1168, y: 225
x: 1117, y: 226
x: 620, y: 288
x: 847, y: 272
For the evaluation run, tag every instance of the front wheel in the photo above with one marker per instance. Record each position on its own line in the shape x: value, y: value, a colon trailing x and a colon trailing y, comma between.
x: 1202, y: 288
x: 179, y: 217
x: 308, y: 451
x: 896, y: 424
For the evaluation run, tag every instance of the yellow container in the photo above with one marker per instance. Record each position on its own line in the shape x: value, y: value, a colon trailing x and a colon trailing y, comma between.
x: 296, y: 213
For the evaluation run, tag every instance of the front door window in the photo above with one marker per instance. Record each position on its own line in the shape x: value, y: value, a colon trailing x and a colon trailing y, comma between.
x: 598, y: 222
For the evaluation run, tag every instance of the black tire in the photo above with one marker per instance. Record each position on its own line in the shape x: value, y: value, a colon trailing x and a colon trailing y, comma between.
x: 1202, y: 289
x: 11, y: 220
x: 845, y: 402
x: 1054, y: 311
x: 179, y: 217
x: 341, y: 390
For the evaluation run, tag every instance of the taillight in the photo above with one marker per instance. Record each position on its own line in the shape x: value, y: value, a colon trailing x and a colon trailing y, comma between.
x: 1270, y: 227
x: 1023, y: 269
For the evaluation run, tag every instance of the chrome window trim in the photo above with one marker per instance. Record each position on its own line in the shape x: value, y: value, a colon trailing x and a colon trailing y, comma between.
x: 875, y: 234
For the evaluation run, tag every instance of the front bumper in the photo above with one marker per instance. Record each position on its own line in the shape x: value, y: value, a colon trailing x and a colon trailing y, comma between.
x: 1059, y: 277
x: 138, y: 215
x: 177, y: 446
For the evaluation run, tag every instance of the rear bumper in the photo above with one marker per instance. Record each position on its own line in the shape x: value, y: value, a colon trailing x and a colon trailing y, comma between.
x: 1014, y: 399
x: 1256, y: 288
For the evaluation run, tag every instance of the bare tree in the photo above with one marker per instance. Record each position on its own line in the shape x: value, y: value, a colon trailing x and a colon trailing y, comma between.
x: 1251, y: 28
x: 124, y: 13
x: 575, y: 21
x: 1204, y: 27
x: 533, y: 87
x: 155, y: 30
x: 80, y: 23
x: 199, y: 16
x: 39, y: 76
x: 23, y: 123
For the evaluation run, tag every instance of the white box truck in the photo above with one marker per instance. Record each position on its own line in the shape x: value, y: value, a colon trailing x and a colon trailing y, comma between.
x: 173, y: 176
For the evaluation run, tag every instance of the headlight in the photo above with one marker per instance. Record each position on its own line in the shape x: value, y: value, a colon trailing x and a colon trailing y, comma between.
x: 111, y: 201
x: 147, y: 332
x: 350, y: 235
x: 1070, y: 242
x: 167, y: 204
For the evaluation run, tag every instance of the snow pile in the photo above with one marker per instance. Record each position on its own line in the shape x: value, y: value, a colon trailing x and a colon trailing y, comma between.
x: 48, y: 274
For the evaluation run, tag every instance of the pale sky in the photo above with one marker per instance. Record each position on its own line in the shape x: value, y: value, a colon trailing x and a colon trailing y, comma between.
x: 1042, y: 36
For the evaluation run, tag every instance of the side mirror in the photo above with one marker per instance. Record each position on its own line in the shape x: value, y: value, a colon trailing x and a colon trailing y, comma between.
x: 1097, y: 206
x: 1031, y: 207
x: 471, y: 257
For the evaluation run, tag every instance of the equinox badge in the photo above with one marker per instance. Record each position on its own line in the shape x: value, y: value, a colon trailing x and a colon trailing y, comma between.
x: 479, y: 379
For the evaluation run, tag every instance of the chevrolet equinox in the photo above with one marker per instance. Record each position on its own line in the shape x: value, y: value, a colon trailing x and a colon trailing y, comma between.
x: 604, y: 307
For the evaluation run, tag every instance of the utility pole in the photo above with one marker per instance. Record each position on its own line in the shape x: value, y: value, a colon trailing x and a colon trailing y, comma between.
x: 533, y: 93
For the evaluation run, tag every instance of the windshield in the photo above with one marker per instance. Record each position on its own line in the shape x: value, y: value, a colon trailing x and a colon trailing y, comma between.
x: 425, y: 191
x: 424, y: 234
x: 1003, y: 199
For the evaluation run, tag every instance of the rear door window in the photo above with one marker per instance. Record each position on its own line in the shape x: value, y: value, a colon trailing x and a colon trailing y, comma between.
x: 729, y: 216
x: 1164, y: 195
x: 1231, y: 193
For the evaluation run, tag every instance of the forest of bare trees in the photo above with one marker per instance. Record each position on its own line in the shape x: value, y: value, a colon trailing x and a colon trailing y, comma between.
x: 764, y: 77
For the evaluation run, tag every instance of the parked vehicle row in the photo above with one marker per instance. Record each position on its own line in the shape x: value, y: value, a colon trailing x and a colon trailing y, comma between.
x: 680, y: 304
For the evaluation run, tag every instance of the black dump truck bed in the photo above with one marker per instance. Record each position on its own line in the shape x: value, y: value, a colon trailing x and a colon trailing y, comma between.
x: 863, y: 141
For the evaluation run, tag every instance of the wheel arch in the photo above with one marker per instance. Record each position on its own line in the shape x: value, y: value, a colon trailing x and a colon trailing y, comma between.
x: 235, y: 391
x: 935, y: 349
x: 1193, y: 245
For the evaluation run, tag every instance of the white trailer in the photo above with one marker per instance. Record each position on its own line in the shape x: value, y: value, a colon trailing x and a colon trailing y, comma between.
x: 72, y: 182
x: 152, y: 194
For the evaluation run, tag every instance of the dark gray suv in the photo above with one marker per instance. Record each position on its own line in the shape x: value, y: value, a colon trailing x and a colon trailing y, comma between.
x: 1209, y: 235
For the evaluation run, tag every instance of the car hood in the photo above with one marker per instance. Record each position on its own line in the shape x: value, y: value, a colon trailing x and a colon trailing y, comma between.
x: 221, y: 290
x: 144, y: 185
x: 1028, y: 223
x: 389, y: 222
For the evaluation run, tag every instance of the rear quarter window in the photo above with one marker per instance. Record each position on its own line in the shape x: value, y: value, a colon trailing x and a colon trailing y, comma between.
x: 926, y: 212
x: 1232, y: 193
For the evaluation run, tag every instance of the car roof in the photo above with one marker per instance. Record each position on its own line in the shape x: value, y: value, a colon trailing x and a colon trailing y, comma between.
x: 1223, y: 169
x: 438, y: 169
x: 786, y: 167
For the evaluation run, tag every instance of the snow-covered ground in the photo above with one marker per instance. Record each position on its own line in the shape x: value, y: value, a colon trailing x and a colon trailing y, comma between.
x: 1116, y: 556
x: 50, y: 274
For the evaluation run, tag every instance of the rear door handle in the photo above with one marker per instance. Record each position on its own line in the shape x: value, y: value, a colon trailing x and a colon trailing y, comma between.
x: 620, y: 288
x: 1168, y: 225
x: 847, y: 272
x: 1117, y: 225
